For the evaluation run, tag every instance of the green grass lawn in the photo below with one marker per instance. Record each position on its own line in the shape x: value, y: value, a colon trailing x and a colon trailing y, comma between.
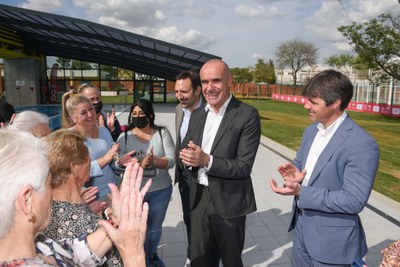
x: 117, y: 99
x: 284, y: 123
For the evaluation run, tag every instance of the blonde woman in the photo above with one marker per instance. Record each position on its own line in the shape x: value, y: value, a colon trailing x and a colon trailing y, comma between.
x: 110, y: 122
x: 79, y: 114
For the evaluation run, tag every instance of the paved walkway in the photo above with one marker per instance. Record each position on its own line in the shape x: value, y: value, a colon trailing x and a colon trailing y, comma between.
x: 268, y: 242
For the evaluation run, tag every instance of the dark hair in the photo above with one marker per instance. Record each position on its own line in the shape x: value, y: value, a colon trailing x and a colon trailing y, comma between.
x: 330, y: 85
x: 192, y: 75
x: 148, y: 110
x: 6, y: 111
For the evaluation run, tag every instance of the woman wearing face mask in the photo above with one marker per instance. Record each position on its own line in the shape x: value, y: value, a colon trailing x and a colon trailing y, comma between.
x: 155, y: 152
x: 110, y: 122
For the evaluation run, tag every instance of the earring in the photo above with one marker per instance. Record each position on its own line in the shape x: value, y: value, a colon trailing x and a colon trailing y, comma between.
x: 33, y: 218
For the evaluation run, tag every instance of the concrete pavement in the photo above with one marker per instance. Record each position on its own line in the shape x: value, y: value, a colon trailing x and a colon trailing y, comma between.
x: 268, y: 242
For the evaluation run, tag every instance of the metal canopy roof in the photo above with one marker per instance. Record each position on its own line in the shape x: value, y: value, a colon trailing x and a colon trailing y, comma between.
x: 67, y: 37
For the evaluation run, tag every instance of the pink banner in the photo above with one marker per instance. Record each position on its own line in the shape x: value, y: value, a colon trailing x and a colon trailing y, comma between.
x: 383, y: 109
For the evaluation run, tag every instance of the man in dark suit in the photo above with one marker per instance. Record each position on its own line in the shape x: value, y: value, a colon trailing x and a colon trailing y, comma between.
x: 188, y: 92
x: 219, y: 151
x: 339, y: 161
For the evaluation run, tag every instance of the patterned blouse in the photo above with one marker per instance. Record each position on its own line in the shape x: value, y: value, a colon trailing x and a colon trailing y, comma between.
x: 69, y: 220
x: 67, y: 252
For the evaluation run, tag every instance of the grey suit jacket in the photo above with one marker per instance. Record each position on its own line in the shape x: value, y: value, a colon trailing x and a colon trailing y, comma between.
x: 234, y: 150
x: 338, y: 190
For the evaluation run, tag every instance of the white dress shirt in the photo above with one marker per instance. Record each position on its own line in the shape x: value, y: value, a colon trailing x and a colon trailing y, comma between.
x: 211, y: 127
x: 321, y: 139
x: 185, y: 120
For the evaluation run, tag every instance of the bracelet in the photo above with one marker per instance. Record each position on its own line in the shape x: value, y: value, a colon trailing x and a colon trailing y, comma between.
x: 108, y: 218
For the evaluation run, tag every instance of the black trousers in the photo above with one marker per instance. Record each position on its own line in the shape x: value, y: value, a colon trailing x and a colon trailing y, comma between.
x: 184, y: 191
x: 210, y: 230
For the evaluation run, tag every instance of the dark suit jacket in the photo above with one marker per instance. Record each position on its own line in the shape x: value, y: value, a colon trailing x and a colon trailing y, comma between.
x: 338, y: 189
x: 178, y: 123
x: 234, y: 150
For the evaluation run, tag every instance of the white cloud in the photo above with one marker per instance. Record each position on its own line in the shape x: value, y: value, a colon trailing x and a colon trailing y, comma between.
x: 239, y: 31
x: 191, y: 38
x: 135, y: 13
x: 343, y: 46
x: 257, y: 56
x: 326, y: 20
x: 332, y: 14
x: 195, y: 9
x: 42, y: 5
x: 324, y: 23
x: 362, y: 11
x: 113, y: 22
x: 257, y: 11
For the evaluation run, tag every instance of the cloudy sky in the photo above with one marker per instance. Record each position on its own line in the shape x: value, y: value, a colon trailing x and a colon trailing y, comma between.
x: 239, y: 31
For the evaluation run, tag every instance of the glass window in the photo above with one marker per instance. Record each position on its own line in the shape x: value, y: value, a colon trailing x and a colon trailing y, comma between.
x: 50, y: 61
x: 108, y: 74
x: 124, y: 74
x: 90, y: 74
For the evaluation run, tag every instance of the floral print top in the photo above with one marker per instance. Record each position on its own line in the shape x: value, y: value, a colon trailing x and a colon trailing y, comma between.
x: 67, y: 252
x: 391, y: 255
x: 69, y: 220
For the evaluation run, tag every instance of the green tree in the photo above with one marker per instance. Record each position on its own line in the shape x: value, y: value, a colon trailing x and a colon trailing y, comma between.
x: 110, y: 72
x: 377, y: 42
x: 241, y: 76
x: 64, y: 62
x: 264, y: 72
x: 260, y: 73
x: 78, y: 65
x: 271, y: 72
x: 73, y: 64
x: 340, y: 61
x: 296, y: 54
x: 124, y: 74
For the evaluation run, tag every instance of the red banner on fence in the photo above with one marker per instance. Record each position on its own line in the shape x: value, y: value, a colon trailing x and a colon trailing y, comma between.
x: 383, y: 109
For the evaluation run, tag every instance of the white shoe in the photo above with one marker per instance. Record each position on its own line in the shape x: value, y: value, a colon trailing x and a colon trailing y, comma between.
x: 187, y: 263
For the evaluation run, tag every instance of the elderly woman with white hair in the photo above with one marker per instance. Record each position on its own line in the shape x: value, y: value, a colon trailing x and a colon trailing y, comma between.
x: 31, y: 121
x: 25, y: 205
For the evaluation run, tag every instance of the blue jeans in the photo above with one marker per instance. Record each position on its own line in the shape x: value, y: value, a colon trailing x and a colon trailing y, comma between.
x: 158, y: 203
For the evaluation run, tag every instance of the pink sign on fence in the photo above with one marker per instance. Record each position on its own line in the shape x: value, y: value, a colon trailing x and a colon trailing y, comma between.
x: 384, y: 109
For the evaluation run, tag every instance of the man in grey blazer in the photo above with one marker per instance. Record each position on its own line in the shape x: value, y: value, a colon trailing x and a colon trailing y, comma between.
x: 188, y: 93
x: 218, y: 154
x: 331, y: 177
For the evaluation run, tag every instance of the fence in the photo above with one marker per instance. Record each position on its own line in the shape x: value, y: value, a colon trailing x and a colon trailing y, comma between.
x: 384, y: 109
x: 384, y: 93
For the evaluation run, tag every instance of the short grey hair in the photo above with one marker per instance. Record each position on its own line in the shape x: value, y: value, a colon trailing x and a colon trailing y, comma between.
x: 19, y: 146
x: 27, y: 120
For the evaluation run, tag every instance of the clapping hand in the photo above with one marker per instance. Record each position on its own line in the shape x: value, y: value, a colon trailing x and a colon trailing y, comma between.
x: 194, y: 156
x: 111, y: 120
x: 148, y: 161
x: 290, y: 173
x: 127, y: 158
x: 130, y: 214
x: 292, y: 178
